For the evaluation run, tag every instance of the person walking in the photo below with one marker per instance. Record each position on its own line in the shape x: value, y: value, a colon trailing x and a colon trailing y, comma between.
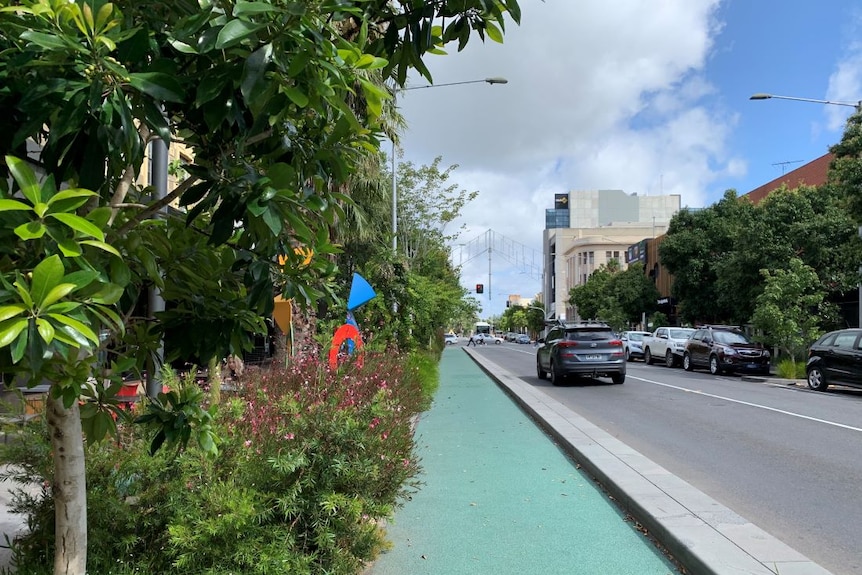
x: 472, y: 340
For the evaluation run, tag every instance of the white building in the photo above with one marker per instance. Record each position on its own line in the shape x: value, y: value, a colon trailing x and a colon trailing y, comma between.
x: 589, y: 228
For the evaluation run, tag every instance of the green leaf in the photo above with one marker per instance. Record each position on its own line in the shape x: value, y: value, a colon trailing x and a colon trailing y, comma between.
x: 46, y: 330
x: 81, y: 278
x: 26, y: 179
x: 78, y: 194
x: 56, y: 294
x: 19, y: 346
x: 296, y: 96
x: 76, y: 326
x: 46, y: 276
x: 242, y: 7
x: 10, y: 311
x: 70, y: 248
x: 235, y: 32
x: 493, y: 32
x: 253, y: 71
x: 47, y: 41
x: 108, y: 295
x: 102, y: 246
x: 13, y: 205
x: 79, y: 224
x: 10, y: 329
x: 157, y: 85
x: 30, y: 231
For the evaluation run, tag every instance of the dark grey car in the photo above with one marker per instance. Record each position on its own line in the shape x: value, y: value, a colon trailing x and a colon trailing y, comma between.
x: 581, y: 349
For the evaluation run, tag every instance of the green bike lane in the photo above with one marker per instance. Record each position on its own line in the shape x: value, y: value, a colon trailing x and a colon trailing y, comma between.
x: 499, y: 497
x: 502, y: 494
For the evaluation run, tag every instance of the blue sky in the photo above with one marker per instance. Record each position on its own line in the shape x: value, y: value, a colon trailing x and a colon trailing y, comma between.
x: 648, y: 96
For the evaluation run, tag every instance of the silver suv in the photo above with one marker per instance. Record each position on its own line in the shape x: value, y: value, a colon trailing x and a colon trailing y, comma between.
x: 587, y: 349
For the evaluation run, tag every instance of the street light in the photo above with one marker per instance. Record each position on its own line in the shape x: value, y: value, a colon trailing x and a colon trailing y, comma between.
x: 858, y: 107
x: 496, y: 80
x: 762, y: 96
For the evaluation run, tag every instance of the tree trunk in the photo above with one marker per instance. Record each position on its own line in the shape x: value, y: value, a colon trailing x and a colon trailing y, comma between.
x: 70, y: 488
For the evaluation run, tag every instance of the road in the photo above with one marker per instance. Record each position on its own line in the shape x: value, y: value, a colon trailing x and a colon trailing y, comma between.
x: 786, y: 458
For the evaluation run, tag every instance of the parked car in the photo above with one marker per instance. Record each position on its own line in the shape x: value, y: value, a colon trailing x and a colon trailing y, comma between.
x: 666, y: 344
x: 633, y: 343
x: 835, y: 358
x: 724, y: 348
x: 451, y: 339
x: 587, y: 349
x: 523, y: 338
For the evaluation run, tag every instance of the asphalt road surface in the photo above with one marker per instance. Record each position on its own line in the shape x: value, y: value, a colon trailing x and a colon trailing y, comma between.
x: 784, y: 457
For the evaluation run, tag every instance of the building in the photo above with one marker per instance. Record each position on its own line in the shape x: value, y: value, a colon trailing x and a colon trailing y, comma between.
x: 814, y: 173
x: 588, y: 228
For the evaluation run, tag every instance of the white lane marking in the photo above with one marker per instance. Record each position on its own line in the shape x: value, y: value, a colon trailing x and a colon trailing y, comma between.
x: 748, y: 403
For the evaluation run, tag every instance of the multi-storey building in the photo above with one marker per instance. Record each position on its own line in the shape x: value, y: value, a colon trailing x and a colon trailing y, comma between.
x: 592, y: 227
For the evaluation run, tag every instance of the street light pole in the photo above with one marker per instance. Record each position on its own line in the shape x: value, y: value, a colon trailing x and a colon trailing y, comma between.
x: 495, y: 80
x: 858, y: 107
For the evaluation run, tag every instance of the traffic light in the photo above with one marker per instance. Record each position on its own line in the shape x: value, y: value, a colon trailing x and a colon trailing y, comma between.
x: 480, y: 288
x: 508, y: 303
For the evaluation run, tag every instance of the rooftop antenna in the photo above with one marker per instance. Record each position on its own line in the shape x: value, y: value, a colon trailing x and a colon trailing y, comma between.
x: 784, y: 164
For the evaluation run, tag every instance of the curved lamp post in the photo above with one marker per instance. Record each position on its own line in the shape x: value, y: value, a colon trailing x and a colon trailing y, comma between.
x: 762, y: 96
x: 858, y: 107
x: 495, y: 80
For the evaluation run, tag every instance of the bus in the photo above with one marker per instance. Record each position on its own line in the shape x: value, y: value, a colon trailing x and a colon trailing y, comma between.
x: 482, y: 327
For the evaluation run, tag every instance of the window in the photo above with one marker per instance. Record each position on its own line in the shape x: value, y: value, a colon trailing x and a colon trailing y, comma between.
x: 845, y: 340
x: 592, y: 258
x: 608, y: 255
x: 616, y: 255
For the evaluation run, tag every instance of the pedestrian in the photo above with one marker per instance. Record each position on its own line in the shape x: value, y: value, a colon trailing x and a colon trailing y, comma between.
x: 472, y: 340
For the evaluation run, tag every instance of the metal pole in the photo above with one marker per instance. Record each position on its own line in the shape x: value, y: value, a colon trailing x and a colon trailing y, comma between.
x: 159, y: 151
x: 394, y: 189
x: 489, y: 265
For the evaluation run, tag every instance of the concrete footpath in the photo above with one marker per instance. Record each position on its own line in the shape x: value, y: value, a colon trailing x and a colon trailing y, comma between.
x: 501, y: 498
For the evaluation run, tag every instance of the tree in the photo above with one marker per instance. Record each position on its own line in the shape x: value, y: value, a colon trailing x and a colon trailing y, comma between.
x: 635, y: 292
x: 697, y: 244
x: 616, y: 297
x: 277, y: 101
x: 787, y: 310
x: 590, y: 298
x: 845, y: 172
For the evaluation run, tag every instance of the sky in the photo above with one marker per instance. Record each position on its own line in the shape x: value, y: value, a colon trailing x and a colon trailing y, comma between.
x: 647, y: 96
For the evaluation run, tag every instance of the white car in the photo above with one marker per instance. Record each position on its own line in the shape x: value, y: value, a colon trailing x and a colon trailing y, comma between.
x: 451, y: 339
x: 487, y: 338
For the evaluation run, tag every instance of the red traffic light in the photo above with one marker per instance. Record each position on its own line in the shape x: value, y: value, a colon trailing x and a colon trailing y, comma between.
x: 480, y: 288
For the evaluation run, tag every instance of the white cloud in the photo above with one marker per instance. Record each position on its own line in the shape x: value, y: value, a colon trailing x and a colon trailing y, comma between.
x: 600, y: 95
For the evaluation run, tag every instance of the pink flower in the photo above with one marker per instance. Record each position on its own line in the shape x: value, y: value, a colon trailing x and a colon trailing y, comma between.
x: 247, y: 443
x: 289, y: 436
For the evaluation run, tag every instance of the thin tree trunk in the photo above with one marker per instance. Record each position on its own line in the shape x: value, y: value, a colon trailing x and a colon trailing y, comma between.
x: 70, y: 488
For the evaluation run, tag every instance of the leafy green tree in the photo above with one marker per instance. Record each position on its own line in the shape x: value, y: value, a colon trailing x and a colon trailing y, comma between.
x: 787, y: 310
x: 806, y: 223
x: 616, y: 297
x: 277, y: 102
x: 845, y: 172
x: 697, y: 244
x: 590, y: 298
x: 635, y: 293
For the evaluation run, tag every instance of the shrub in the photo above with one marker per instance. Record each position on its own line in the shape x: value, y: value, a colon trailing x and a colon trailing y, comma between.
x: 310, y: 463
x: 788, y: 368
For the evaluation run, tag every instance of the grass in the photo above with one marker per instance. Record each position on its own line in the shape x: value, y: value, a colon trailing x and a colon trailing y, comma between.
x: 790, y: 369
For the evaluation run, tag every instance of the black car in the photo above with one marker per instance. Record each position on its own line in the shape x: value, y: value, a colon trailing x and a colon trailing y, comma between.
x: 835, y: 358
x: 725, y: 349
x: 581, y: 349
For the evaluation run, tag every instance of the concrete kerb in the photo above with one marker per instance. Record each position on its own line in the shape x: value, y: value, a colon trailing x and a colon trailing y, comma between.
x: 703, y: 535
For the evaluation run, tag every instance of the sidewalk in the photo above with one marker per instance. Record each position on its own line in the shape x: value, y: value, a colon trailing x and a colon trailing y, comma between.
x: 500, y: 498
